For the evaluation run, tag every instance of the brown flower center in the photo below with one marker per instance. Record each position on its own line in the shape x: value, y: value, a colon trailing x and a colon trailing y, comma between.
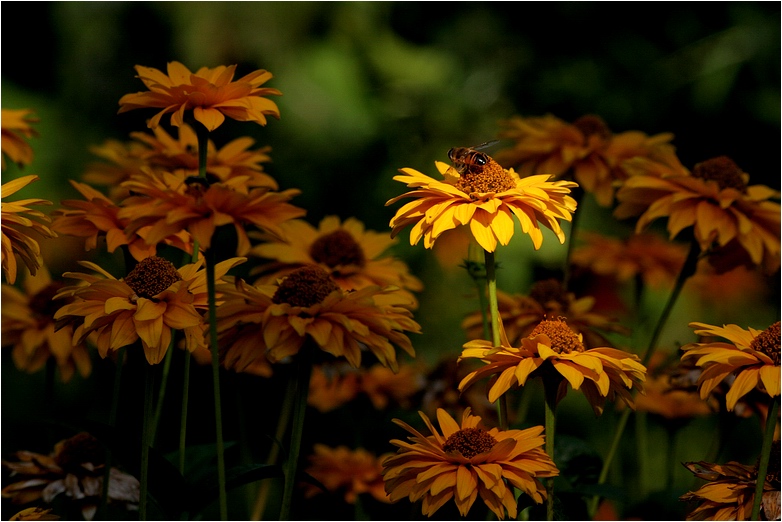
x: 337, y: 248
x: 151, y: 276
x: 42, y: 305
x: 591, y: 124
x: 563, y: 339
x: 306, y: 286
x: 767, y: 342
x: 469, y: 442
x: 491, y: 179
x: 79, y: 449
x: 724, y: 171
x: 548, y: 290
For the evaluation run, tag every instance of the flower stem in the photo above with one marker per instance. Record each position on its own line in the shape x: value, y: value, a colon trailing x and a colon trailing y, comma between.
x: 765, y: 453
x: 183, y: 415
x: 145, y: 433
x: 162, y: 392
x: 494, y: 313
x: 104, y: 497
x: 299, y: 409
x: 550, y: 393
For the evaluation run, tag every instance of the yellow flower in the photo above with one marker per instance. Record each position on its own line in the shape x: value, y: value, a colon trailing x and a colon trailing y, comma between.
x: 75, y: 468
x: 554, y: 351
x: 28, y: 327
x: 352, y: 255
x: 586, y: 149
x: 15, y: 228
x: 209, y: 93
x: 715, y: 200
x: 171, y: 203
x: 751, y: 355
x: 730, y: 490
x: 486, y: 200
x: 274, y: 321
x: 520, y: 314
x: 147, y: 304
x: 15, y: 126
x: 35, y: 513
x: 467, y: 461
x: 347, y: 471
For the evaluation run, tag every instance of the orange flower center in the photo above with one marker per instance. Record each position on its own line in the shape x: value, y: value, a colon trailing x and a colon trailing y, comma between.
x: 723, y: 170
x: 591, y: 124
x: 79, y: 449
x: 151, y: 276
x: 548, y: 290
x: 469, y: 442
x: 337, y: 248
x: 306, y: 286
x: 767, y: 342
x: 563, y: 339
x: 490, y: 179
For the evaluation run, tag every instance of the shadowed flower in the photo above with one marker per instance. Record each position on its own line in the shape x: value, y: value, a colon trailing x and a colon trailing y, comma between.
x: 586, y: 149
x: 352, y: 255
x: 15, y: 228
x: 332, y: 385
x: 274, y: 321
x: 209, y: 93
x: 554, y: 351
x: 466, y: 461
x: 715, y: 200
x: 384, y: 386
x: 28, y: 327
x: 752, y: 356
x: 35, y: 513
x: 730, y: 490
x: 151, y: 301
x: 520, y: 314
x: 663, y: 396
x: 15, y: 125
x: 75, y: 468
x: 351, y: 472
x: 486, y: 200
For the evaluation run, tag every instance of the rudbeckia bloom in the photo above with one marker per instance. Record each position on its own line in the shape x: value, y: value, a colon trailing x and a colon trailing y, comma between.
x: 15, y: 228
x: 274, y: 321
x: 520, y: 314
x: 384, y: 386
x: 466, y: 461
x: 352, y: 255
x: 210, y: 93
x: 15, y: 127
x: 75, y: 468
x: 485, y: 200
x: 332, y: 385
x: 346, y: 471
x: 751, y: 355
x: 586, y: 149
x: 554, y: 351
x: 151, y: 301
x: 715, y: 200
x: 28, y: 327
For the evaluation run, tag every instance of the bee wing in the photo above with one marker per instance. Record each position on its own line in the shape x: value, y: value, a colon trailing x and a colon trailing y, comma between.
x: 485, y: 145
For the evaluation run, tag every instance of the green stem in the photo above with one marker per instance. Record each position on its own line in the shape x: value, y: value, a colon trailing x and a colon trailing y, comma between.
x: 550, y: 393
x: 183, y: 415
x: 145, y: 433
x: 162, y: 392
x: 494, y: 313
x: 104, y: 497
x: 765, y: 453
x: 642, y: 453
x: 299, y: 409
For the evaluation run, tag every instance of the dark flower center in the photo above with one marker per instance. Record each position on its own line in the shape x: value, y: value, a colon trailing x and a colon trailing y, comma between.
x: 591, y: 124
x: 306, y: 286
x: 767, y: 342
x: 563, y: 339
x: 79, y: 449
x: 548, y: 290
x: 772, y: 473
x: 723, y: 170
x: 492, y: 178
x: 41, y: 303
x: 151, y: 276
x: 337, y: 248
x: 469, y: 442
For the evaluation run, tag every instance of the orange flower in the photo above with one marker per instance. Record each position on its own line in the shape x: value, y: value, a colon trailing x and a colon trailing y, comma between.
x: 347, y: 471
x: 467, y: 461
x: 35, y: 513
x: 15, y: 228
x: 382, y: 385
x: 554, y: 351
x: 28, y: 327
x: 331, y: 386
x: 715, y: 200
x: 585, y: 148
x: 751, y: 355
x: 15, y: 126
x: 663, y: 396
x: 209, y: 93
x: 351, y: 255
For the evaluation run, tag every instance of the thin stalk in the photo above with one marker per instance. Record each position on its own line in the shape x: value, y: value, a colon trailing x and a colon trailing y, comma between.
x: 297, y: 430
x: 642, y: 453
x: 183, y: 414
x: 145, y: 433
x: 765, y: 453
x: 550, y: 426
x: 104, y: 496
x: 162, y: 393
x: 494, y: 313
